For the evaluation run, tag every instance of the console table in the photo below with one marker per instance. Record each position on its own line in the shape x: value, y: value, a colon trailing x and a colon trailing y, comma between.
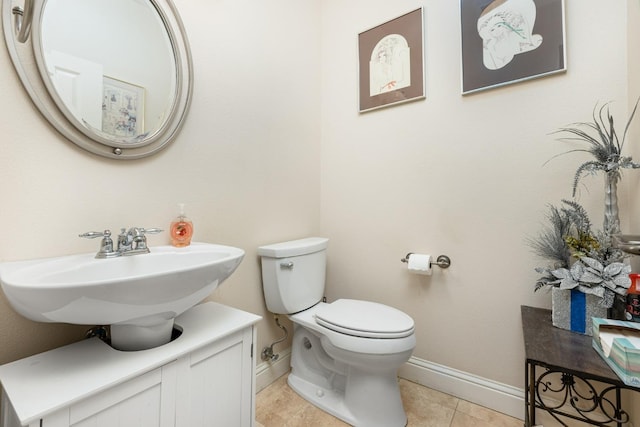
x: 566, y: 377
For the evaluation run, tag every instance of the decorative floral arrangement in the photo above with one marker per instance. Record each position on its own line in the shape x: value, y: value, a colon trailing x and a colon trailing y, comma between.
x: 581, y: 258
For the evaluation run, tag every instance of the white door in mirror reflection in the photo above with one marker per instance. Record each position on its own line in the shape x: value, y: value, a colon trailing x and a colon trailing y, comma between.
x: 78, y: 83
x: 130, y: 42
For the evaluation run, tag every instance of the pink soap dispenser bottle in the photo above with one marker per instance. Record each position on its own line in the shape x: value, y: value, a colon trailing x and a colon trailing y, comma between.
x: 181, y: 229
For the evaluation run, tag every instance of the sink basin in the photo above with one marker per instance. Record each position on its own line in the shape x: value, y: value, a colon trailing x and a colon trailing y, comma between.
x: 139, y: 295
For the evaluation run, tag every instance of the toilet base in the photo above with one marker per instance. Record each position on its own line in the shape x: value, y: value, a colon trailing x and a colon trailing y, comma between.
x: 330, y: 401
x: 373, y: 412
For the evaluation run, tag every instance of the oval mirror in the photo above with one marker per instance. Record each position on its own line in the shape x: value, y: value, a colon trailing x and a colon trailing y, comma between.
x: 114, y: 77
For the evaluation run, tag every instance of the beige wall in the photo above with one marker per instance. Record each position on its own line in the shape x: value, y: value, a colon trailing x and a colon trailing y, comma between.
x: 633, y: 47
x: 455, y: 175
x: 275, y: 149
x: 246, y: 162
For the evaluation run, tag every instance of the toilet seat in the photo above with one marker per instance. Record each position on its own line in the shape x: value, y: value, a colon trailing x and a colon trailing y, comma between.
x: 364, y: 319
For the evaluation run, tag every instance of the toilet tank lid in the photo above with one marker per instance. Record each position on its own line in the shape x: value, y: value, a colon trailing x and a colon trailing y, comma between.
x: 294, y: 247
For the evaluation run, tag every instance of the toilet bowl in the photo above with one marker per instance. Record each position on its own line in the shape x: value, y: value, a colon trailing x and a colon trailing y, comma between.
x: 353, y: 378
x: 345, y: 355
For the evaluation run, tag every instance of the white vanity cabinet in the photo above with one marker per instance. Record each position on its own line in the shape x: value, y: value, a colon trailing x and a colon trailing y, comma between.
x: 206, y: 377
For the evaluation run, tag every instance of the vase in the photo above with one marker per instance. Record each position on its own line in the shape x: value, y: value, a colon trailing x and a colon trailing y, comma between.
x: 611, y: 218
x: 573, y: 310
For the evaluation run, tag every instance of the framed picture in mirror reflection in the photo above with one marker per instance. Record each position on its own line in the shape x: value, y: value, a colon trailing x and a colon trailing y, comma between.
x: 122, y: 108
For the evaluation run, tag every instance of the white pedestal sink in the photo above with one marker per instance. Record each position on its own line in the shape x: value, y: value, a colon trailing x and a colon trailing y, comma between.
x: 139, y: 295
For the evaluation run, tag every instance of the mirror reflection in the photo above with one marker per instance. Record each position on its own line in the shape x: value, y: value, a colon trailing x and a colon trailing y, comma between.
x: 114, y: 77
x: 110, y: 64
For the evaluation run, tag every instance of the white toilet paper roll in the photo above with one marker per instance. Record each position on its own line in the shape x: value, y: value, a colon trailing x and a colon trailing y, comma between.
x: 419, y: 264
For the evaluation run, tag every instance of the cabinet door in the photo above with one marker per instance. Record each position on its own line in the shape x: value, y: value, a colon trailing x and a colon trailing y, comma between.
x: 218, y: 384
x: 145, y: 401
x: 134, y: 403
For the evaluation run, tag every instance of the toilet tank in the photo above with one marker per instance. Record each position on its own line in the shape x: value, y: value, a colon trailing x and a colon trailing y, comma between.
x: 293, y: 274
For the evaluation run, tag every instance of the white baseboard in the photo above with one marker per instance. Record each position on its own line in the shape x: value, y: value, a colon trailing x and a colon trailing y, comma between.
x: 481, y: 391
x: 268, y: 372
x: 491, y: 394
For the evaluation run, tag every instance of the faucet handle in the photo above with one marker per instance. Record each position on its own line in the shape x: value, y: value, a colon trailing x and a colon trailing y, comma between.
x: 94, y: 234
x: 151, y: 230
x: 106, y: 245
x: 140, y: 237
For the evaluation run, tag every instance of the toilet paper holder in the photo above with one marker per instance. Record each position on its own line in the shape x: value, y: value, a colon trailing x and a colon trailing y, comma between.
x: 442, y: 261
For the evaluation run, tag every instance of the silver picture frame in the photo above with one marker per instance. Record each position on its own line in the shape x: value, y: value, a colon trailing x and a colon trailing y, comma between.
x: 391, y: 62
x: 510, y: 41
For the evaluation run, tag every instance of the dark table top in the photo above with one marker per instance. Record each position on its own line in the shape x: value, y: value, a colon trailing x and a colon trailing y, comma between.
x: 570, y: 351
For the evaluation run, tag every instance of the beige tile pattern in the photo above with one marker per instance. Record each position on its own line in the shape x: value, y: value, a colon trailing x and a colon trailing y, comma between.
x: 279, y: 406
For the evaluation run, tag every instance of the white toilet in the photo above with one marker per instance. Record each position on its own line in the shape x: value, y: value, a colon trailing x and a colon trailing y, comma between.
x: 345, y: 354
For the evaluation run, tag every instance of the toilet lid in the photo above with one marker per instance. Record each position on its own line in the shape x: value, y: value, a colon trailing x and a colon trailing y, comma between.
x: 364, y: 319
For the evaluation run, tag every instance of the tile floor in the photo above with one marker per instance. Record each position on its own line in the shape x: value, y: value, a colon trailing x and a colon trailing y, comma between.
x: 279, y: 406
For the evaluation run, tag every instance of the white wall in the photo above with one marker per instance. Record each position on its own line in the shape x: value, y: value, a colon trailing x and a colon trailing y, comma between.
x: 246, y: 163
x: 461, y: 176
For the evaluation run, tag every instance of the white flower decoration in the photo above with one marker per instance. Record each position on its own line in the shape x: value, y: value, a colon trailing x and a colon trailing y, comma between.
x: 591, y: 277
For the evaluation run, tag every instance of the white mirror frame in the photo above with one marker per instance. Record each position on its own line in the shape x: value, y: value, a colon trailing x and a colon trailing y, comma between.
x: 26, y: 57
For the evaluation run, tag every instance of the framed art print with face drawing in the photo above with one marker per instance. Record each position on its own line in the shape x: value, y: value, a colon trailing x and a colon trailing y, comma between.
x: 391, y: 62
x: 509, y: 41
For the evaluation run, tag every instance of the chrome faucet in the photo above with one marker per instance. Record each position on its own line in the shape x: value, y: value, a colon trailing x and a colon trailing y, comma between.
x: 130, y: 242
